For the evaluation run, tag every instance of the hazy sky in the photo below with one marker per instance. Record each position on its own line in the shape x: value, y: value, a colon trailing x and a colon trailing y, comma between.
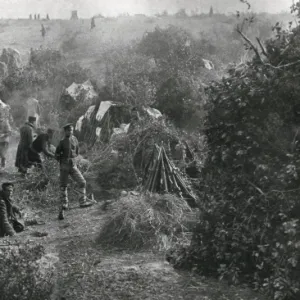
x: 88, y: 8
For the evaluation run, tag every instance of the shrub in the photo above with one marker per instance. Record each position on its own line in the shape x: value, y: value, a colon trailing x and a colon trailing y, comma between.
x: 249, y: 229
x: 182, y: 99
x: 121, y: 163
x: 21, y: 276
x: 130, y: 77
x: 141, y: 221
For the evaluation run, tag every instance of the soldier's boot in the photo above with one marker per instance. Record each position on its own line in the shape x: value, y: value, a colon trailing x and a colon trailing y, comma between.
x: 83, y: 201
x: 65, y: 206
x: 3, y: 161
x: 61, y: 215
x: 64, y: 198
x: 86, y: 203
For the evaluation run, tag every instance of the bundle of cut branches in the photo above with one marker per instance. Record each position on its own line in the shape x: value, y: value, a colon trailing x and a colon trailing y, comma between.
x: 161, y: 176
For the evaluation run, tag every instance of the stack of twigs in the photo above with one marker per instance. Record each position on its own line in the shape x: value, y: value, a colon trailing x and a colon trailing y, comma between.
x: 161, y: 176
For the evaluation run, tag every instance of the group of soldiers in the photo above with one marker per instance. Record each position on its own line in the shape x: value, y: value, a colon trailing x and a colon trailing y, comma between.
x: 29, y: 154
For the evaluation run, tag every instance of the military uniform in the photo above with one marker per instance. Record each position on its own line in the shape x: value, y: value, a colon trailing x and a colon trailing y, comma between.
x: 26, y: 139
x: 5, y: 131
x: 9, y: 224
x: 39, y: 145
x: 66, y: 152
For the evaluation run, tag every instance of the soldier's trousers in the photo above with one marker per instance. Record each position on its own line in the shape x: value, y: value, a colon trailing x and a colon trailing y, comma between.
x: 70, y: 169
x: 3, y: 151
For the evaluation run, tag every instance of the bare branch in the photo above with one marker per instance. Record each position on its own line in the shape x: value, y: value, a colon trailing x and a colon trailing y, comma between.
x: 257, y: 188
x: 250, y: 44
x: 262, y: 47
x: 283, y: 66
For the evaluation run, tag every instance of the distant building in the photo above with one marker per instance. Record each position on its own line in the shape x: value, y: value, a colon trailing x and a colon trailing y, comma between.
x: 74, y: 15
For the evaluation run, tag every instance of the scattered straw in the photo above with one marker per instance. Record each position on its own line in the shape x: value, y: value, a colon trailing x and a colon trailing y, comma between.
x: 139, y: 221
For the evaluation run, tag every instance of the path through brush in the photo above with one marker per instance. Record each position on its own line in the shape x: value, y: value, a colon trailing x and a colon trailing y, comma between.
x: 84, y: 270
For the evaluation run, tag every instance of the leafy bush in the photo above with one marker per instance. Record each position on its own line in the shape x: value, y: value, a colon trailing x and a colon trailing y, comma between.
x: 140, y: 221
x: 174, y: 49
x: 130, y: 77
x: 249, y: 230
x: 121, y: 163
x: 21, y: 276
x: 182, y: 99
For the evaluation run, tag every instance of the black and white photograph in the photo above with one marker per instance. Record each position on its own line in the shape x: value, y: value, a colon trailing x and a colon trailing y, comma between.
x: 149, y: 150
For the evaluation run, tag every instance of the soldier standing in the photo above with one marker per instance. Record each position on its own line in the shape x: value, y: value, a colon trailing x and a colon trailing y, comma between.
x: 66, y: 152
x: 43, y: 31
x: 5, y: 132
x: 26, y: 139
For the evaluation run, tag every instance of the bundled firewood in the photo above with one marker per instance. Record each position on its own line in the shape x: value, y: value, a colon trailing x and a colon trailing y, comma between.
x: 161, y: 176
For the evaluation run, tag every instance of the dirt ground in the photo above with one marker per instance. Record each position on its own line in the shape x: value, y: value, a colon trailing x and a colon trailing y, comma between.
x: 84, y: 270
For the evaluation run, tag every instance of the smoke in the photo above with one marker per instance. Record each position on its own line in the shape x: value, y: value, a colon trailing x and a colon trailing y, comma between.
x: 89, y: 8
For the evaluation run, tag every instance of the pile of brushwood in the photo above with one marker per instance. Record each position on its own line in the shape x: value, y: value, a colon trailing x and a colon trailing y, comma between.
x: 249, y: 231
x: 161, y: 176
x: 121, y: 163
x: 145, y: 221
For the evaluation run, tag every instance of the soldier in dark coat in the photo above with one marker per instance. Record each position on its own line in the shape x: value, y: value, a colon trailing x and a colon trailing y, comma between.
x: 40, y: 145
x: 9, y: 223
x: 66, y: 152
x: 26, y: 139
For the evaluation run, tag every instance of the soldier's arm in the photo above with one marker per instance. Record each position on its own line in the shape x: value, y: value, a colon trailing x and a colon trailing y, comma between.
x: 8, y: 229
x: 45, y: 149
x: 29, y: 134
x: 77, y: 146
x: 17, y: 210
x: 58, y: 151
x: 7, y: 129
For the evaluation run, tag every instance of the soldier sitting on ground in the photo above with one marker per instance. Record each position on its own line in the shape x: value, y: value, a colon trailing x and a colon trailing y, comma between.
x: 9, y: 224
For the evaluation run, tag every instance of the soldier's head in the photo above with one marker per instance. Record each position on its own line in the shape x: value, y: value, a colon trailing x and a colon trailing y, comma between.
x: 50, y: 133
x: 68, y: 128
x: 32, y: 120
x: 7, y: 188
x: 135, y: 114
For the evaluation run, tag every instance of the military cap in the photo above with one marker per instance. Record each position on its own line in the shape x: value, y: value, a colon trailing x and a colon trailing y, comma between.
x: 50, y: 131
x: 7, y: 184
x: 67, y: 126
x: 31, y: 119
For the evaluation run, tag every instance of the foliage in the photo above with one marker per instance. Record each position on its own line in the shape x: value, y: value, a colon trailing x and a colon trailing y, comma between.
x: 121, y: 163
x: 249, y: 230
x: 163, y: 66
x: 21, y: 276
x: 140, y: 221
x: 130, y: 77
x: 173, y: 49
x: 44, y: 78
x: 182, y: 100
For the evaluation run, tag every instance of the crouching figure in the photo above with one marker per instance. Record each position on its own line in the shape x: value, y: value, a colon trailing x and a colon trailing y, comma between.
x: 9, y: 223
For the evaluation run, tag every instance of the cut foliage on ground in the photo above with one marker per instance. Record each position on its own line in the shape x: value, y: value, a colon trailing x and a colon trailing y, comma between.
x: 142, y: 221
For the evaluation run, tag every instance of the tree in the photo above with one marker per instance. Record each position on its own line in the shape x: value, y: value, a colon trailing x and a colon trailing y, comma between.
x: 211, y: 11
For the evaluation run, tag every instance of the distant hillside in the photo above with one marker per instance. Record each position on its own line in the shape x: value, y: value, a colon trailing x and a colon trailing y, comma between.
x: 81, y: 44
